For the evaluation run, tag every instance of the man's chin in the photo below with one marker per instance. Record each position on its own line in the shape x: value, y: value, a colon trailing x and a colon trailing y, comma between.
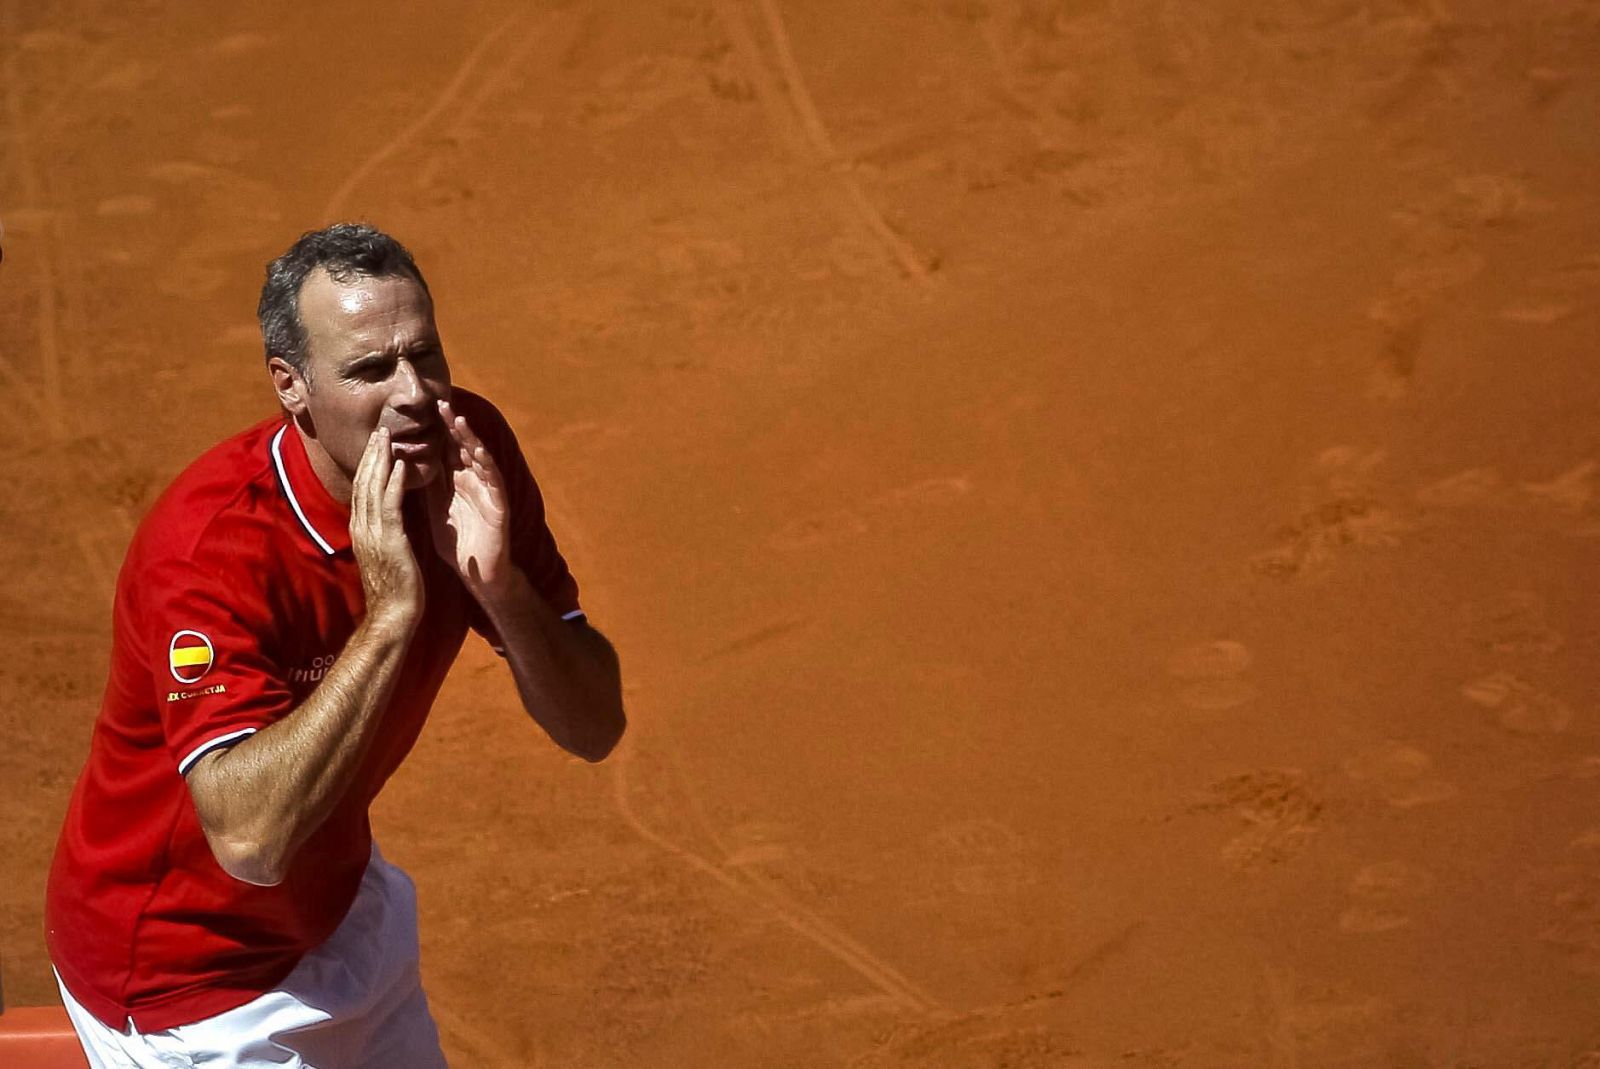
x: 420, y: 473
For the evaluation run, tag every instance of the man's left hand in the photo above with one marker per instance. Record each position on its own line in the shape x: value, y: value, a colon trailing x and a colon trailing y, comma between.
x: 469, y: 510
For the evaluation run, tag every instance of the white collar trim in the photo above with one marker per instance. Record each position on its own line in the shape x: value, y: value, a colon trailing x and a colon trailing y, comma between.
x: 288, y: 491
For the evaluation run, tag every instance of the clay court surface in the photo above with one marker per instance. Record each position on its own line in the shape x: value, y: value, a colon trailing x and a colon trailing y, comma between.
x: 1096, y: 501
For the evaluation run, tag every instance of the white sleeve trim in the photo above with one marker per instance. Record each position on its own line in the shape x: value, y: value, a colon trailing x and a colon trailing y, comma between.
x: 575, y: 614
x: 209, y: 745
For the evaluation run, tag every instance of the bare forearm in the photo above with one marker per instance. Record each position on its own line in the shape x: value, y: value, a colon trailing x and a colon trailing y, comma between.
x: 567, y: 675
x: 260, y: 799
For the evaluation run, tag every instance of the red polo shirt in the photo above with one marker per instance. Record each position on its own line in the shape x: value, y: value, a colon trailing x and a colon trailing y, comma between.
x: 238, y: 592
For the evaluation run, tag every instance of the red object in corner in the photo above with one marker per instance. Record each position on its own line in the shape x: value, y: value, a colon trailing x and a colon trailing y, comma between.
x: 39, y: 1037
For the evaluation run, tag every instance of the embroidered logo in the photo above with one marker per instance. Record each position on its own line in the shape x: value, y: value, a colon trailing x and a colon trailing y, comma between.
x: 189, y: 656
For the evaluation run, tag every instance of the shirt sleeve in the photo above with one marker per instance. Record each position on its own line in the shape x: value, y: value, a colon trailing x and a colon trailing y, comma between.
x: 533, y: 547
x: 212, y: 659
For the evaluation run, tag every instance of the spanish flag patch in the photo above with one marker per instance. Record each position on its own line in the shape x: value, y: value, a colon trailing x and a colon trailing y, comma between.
x: 189, y: 656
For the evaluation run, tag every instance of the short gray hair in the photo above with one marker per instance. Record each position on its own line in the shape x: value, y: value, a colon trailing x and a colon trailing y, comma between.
x: 346, y: 251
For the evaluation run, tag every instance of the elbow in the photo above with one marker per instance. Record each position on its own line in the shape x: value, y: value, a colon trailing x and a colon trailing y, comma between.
x: 602, y: 732
x: 599, y: 742
x: 250, y: 861
x: 243, y: 844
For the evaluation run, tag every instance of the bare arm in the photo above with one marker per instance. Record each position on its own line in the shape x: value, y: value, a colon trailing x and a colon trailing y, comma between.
x: 567, y: 673
x: 261, y: 799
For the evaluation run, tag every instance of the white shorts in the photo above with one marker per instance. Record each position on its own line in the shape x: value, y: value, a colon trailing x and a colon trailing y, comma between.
x: 355, y: 1002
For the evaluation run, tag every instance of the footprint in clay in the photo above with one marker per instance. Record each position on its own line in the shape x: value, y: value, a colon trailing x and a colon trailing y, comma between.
x: 1383, y: 896
x: 1280, y: 812
x: 1519, y: 707
x: 1209, y: 675
x: 1403, y: 776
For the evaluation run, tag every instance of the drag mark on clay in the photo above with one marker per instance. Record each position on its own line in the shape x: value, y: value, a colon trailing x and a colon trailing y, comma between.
x: 800, y: 96
x: 811, y: 140
x: 738, y: 863
x: 782, y: 120
x: 1091, y: 962
x: 441, y: 101
x: 761, y: 894
x: 991, y: 1034
x: 497, y: 80
x: 909, y: 260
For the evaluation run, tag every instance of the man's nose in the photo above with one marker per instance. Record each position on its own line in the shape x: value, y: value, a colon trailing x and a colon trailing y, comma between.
x: 411, y: 390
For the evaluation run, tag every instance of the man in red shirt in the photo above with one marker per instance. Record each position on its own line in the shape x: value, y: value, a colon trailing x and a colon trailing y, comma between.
x: 284, y: 618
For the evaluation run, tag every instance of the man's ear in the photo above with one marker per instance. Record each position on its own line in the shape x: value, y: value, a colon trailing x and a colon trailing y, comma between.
x: 289, y: 384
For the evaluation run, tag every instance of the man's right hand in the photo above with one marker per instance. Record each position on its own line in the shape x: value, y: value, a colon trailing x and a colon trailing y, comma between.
x: 261, y: 798
x: 389, y: 573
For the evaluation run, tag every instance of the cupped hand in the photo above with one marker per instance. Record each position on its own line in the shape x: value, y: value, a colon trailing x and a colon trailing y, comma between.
x: 469, y: 510
x: 390, y: 577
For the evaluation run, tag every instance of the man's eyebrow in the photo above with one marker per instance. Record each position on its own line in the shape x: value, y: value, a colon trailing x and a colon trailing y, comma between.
x: 388, y: 353
x: 366, y: 360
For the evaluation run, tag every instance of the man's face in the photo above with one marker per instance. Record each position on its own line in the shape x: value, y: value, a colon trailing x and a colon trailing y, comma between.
x: 374, y: 360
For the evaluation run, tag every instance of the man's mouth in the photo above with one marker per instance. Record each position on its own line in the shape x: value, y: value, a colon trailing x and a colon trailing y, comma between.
x: 413, y: 443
